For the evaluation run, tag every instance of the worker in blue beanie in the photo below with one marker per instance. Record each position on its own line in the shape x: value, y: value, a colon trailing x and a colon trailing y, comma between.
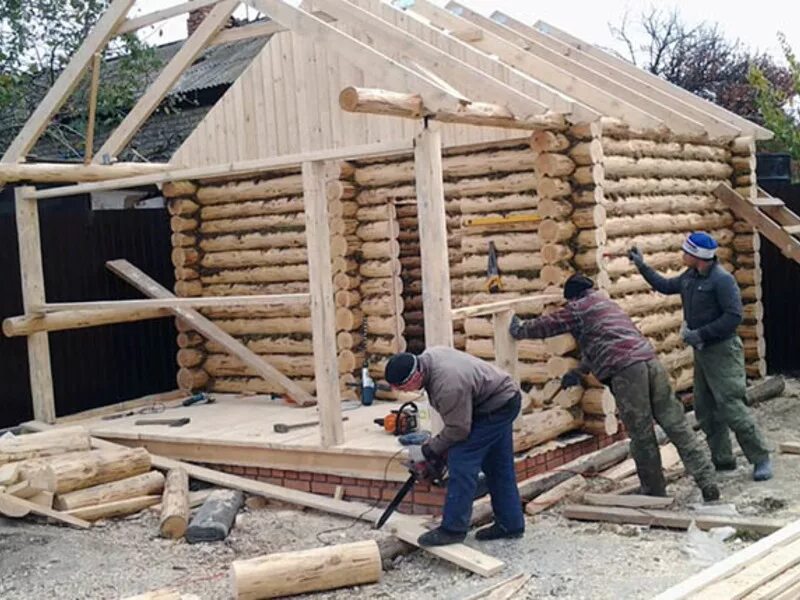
x: 712, y: 310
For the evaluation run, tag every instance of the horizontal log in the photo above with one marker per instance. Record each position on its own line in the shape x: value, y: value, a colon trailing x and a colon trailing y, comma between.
x: 507, y: 262
x: 383, y: 102
x: 144, y: 484
x: 383, y: 326
x: 77, y: 319
x: 743, y: 145
x: 42, y: 444
x: 659, y: 323
x: 617, y: 267
x: 526, y: 349
x: 253, y: 208
x: 590, y: 175
x: 385, y: 286
x: 542, y: 426
x: 182, y: 224
x: 586, y: 130
x: 385, y: 346
x: 651, y: 148
x: 240, y: 191
x: 175, y: 189
x: 191, y: 379
x: 223, y: 365
x: 619, y: 167
x: 382, y: 306
x: 253, y: 241
x: 379, y: 268
x: 600, y: 425
x: 627, y: 226
x: 190, y: 357
x: 554, y: 209
x: 252, y: 289
x: 254, y: 385
x: 587, y: 153
x: 493, y: 204
x: 340, y: 190
x: 672, y: 203
x: 268, y: 222
x: 663, y: 241
x: 589, y: 197
x: 182, y: 207
x: 647, y: 302
x: 511, y: 283
x: 503, y: 242
x: 189, y: 339
x: 555, y: 253
x: 378, y: 230
x: 553, y: 165
x: 548, y: 141
x: 184, y: 240
x: 186, y: 273
x: 270, y: 345
x: 13, y: 172
x: 663, y: 186
x: 598, y: 401
x: 236, y: 259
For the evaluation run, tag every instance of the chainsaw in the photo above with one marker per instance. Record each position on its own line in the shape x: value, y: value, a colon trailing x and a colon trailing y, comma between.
x: 420, y: 470
x: 401, y: 421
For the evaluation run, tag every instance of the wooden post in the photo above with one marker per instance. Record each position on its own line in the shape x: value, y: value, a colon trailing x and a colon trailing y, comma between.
x: 89, y: 145
x: 323, y: 308
x: 32, y: 276
x: 505, y: 349
x: 436, y: 301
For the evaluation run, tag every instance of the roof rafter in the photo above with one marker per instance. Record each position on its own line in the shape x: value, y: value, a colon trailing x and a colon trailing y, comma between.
x: 716, y: 127
x: 538, y: 68
x: 643, y: 76
x: 676, y: 121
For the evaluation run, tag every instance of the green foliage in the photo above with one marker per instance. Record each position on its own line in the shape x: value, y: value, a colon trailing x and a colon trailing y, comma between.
x: 37, y: 39
x: 780, y: 108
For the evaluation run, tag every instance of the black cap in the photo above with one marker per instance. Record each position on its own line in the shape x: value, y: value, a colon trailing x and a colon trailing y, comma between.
x: 576, y: 285
x: 400, y: 368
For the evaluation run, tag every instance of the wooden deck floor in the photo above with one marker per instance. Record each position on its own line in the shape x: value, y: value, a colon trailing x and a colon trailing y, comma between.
x: 238, y: 431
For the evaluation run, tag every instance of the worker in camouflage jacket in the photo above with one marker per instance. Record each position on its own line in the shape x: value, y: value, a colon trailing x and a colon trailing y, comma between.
x: 614, y: 350
x: 712, y: 310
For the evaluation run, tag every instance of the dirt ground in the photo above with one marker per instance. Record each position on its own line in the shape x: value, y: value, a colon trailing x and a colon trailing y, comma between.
x: 566, y: 559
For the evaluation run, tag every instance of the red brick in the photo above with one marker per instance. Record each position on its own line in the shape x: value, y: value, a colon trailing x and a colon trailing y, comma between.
x: 334, y: 479
x: 427, y: 499
x: 321, y: 487
x: 304, y: 486
x: 278, y: 473
x: 356, y: 491
x: 539, y: 459
x: 555, y: 461
x: 272, y: 480
x: 320, y: 477
x: 251, y: 471
x: 304, y: 476
x: 537, y: 469
x: 290, y: 475
x: 349, y: 481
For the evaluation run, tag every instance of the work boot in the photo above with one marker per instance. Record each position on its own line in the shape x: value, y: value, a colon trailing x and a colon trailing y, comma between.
x: 495, y: 531
x: 728, y: 465
x: 762, y: 470
x: 440, y: 537
x: 710, y: 492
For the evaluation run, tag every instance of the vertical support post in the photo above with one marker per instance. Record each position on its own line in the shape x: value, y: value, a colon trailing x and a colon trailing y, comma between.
x: 32, y: 276
x: 436, y: 302
x: 505, y: 347
x: 323, y: 310
x: 95, y: 84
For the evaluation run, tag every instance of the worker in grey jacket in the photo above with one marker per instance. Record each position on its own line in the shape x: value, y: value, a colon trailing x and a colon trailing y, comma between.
x: 712, y: 310
x: 478, y: 404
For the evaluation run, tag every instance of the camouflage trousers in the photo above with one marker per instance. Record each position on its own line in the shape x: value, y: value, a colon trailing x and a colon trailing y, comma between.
x: 643, y: 393
x: 720, y: 402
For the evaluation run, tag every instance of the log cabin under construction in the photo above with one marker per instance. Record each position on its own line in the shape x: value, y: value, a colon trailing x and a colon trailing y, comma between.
x: 352, y: 182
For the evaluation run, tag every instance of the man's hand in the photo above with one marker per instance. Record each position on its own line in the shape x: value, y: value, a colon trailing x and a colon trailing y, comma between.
x: 636, y: 257
x: 571, y: 379
x: 434, y: 465
x: 692, y: 337
x: 515, y: 328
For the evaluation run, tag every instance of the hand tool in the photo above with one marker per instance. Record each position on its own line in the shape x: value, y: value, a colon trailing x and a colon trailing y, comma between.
x: 494, y: 284
x: 284, y: 428
x: 171, y: 422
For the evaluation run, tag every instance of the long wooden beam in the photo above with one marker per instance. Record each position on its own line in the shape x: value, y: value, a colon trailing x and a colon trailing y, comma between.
x: 135, y: 23
x: 67, y: 80
x: 649, y: 79
x: 676, y: 121
x: 74, y: 173
x: 32, y: 275
x: 32, y: 324
x: 145, y: 106
x: 204, y: 326
x: 500, y: 306
x: 717, y: 128
x: 401, y: 45
x: 232, y: 169
x: 201, y: 302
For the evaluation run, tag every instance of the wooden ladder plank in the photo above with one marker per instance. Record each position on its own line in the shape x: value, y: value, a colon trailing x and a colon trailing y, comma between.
x: 792, y: 229
x: 764, y: 202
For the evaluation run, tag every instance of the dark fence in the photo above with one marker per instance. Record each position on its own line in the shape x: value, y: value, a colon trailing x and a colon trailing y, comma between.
x: 781, y: 291
x: 96, y: 366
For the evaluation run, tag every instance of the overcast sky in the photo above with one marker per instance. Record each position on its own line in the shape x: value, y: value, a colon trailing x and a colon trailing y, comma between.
x: 754, y: 23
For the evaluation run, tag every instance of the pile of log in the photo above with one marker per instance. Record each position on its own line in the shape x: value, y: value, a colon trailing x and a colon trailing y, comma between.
x: 248, y: 237
x: 655, y: 193
x: 56, y: 474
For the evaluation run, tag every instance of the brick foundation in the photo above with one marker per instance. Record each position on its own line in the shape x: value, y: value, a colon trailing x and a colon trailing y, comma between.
x: 424, y: 499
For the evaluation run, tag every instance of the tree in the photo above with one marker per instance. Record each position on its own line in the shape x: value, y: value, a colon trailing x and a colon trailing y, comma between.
x: 779, y: 108
x: 699, y: 59
x: 37, y: 39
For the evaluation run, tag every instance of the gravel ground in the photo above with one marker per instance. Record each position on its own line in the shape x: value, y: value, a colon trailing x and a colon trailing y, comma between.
x: 566, y: 559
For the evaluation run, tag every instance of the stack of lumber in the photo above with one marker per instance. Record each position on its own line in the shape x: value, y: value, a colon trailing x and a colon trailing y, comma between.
x: 599, y: 411
x: 747, y: 260
x: 56, y: 474
x: 248, y: 237
x: 656, y: 193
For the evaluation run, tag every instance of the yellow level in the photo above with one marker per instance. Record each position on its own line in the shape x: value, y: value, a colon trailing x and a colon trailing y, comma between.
x: 479, y: 221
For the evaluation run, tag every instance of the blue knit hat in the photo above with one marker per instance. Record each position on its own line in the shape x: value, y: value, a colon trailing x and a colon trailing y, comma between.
x: 700, y: 245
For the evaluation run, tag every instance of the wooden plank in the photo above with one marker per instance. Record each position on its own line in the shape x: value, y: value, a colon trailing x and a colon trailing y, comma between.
x: 505, y: 347
x: 789, y: 447
x: 323, y: 308
x: 648, y: 79
x: 127, y: 405
x: 406, y: 528
x: 754, y: 574
x: 401, y: 46
x: 231, y: 169
x: 676, y: 121
x: 161, y: 15
x: 42, y: 511
x: 792, y: 229
x: 33, y: 294
x: 145, y: 106
x: 543, y: 70
x: 89, y: 143
x: 436, y: 299
x: 211, y: 331
x: 67, y: 81
x: 716, y: 126
x: 628, y: 500
x: 201, y: 302
x: 667, y: 518
x: 780, y: 585
x: 503, y: 590
x: 500, y: 306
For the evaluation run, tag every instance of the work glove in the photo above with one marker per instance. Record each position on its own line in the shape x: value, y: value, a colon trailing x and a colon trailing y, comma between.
x: 515, y: 328
x: 636, y: 257
x: 691, y: 336
x: 434, y: 464
x: 571, y: 379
